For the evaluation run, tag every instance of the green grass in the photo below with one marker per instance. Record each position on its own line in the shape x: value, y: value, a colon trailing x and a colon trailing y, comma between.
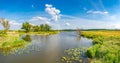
x: 106, y: 48
x: 1, y: 33
x: 11, y: 41
x: 41, y: 32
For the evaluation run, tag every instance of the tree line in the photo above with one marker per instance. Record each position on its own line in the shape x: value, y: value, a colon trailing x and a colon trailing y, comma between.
x: 27, y: 27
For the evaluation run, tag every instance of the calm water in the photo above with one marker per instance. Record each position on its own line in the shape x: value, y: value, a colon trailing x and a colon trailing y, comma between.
x: 46, y: 49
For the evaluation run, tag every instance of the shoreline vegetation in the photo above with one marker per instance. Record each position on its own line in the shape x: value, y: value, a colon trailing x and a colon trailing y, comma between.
x: 10, y: 42
x: 10, y: 39
x: 39, y: 33
x: 106, y: 48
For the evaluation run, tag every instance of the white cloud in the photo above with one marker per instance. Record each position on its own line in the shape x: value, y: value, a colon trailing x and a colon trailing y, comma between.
x: 48, y: 23
x: 68, y: 24
x: 113, y: 17
x: 48, y: 5
x: 55, y: 13
x: 97, y: 12
x: 14, y: 24
x: 39, y: 20
x: 83, y: 23
x: 116, y: 25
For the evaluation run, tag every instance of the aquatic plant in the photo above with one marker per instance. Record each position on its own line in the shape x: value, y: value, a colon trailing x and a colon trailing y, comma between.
x: 9, y: 44
x: 25, y: 49
x: 74, y: 55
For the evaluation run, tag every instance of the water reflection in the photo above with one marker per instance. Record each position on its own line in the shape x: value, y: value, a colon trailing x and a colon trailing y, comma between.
x: 78, y: 37
x: 26, y: 38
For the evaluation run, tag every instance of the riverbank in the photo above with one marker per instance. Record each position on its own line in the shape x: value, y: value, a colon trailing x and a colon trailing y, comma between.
x: 106, y: 48
x: 60, y: 45
x: 11, y: 39
x: 10, y: 42
x: 40, y: 33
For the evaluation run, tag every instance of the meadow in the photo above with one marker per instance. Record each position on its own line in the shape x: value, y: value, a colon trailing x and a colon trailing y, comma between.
x: 106, y: 48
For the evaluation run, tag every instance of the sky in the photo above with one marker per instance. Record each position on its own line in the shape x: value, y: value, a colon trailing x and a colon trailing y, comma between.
x: 62, y: 14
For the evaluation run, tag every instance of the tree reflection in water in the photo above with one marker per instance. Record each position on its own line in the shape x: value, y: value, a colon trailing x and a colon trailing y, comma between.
x: 27, y: 38
x: 78, y: 32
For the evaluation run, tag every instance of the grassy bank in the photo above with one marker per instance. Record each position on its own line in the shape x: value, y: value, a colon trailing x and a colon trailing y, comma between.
x: 11, y: 41
x: 106, y: 48
x: 40, y: 33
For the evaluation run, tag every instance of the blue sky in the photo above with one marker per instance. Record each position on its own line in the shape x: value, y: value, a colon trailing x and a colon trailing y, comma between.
x: 62, y: 14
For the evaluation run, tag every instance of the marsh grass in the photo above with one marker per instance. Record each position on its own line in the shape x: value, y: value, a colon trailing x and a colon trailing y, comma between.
x: 24, y: 49
x: 10, y: 42
x: 106, y: 47
x: 40, y: 33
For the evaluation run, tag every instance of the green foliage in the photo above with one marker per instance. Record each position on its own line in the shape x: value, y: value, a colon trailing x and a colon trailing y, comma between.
x: 2, y: 33
x: 26, y: 26
x: 91, y: 52
x: 101, y: 51
x: 106, y: 47
x: 13, y: 43
x: 10, y: 42
x: 36, y: 28
x: 42, y: 27
x: 47, y: 27
x: 98, y: 40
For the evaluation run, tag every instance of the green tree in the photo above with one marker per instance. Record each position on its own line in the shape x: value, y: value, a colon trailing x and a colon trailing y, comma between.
x: 26, y: 26
x: 36, y: 28
x: 47, y: 27
x: 42, y: 27
x: 5, y: 24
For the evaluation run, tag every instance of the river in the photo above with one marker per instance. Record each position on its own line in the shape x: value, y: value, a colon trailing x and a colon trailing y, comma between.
x: 51, y: 48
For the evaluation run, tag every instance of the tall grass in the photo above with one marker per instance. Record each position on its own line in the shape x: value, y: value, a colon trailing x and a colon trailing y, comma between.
x: 10, y: 42
x: 106, y: 47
